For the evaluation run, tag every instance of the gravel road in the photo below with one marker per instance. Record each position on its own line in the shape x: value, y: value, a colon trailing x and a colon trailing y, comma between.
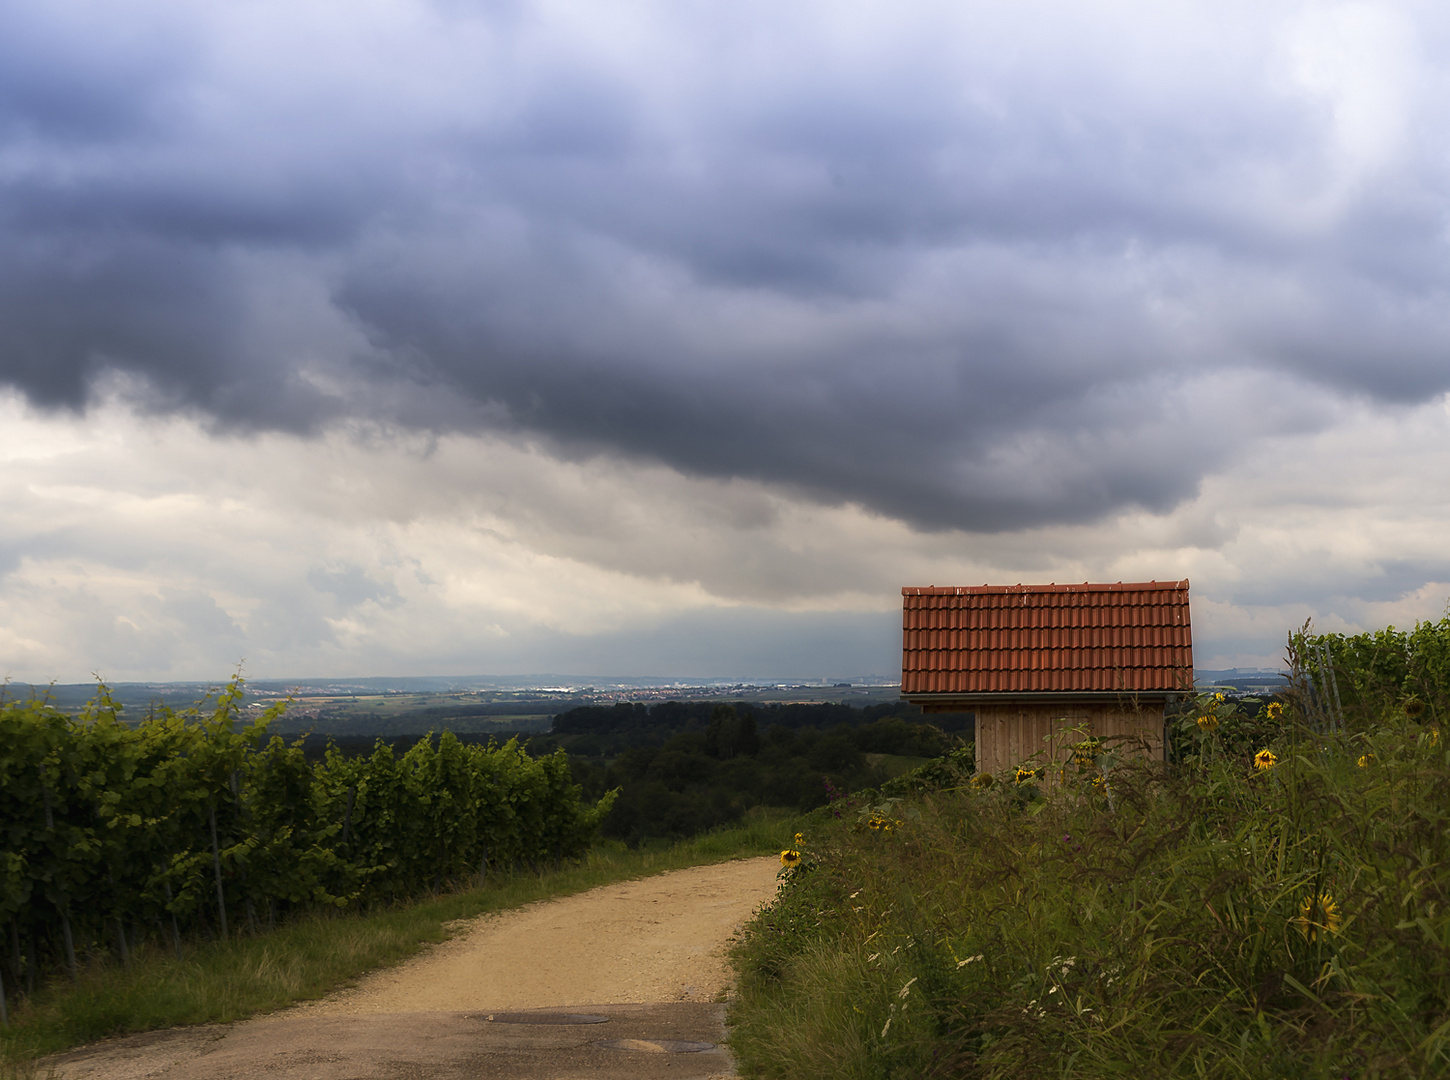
x: 643, y: 960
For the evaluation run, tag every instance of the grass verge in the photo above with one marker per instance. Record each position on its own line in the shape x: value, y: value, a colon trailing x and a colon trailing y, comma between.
x: 218, y: 982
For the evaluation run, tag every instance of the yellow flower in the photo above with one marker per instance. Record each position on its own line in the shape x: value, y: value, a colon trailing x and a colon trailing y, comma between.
x: 1318, y: 916
x: 1275, y: 709
x: 1365, y: 761
x: 1265, y: 759
x: 1432, y: 737
x: 879, y: 823
x: 800, y: 841
x: 1207, y: 722
x: 1100, y: 781
x: 982, y: 781
x: 1218, y: 696
x: 1024, y: 774
x: 790, y: 859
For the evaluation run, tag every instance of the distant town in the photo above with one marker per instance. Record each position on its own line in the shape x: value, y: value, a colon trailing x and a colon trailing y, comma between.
x: 513, y: 703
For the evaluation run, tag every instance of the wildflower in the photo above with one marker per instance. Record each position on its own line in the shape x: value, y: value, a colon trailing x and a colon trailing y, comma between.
x: 790, y: 859
x: 1318, y: 916
x: 1265, y: 759
x: 1207, y: 722
x: 1275, y: 710
x: 1365, y: 761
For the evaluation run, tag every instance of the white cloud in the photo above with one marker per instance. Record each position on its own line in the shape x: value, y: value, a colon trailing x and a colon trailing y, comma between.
x: 146, y: 547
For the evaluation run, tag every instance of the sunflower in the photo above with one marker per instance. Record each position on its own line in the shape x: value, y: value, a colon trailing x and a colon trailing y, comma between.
x: 800, y: 841
x: 1318, y: 917
x: 1275, y: 710
x: 1218, y: 696
x: 1024, y: 774
x: 1414, y: 707
x: 790, y: 859
x: 879, y: 823
x: 1265, y: 759
x: 982, y: 781
x: 1085, y: 754
x: 1207, y: 722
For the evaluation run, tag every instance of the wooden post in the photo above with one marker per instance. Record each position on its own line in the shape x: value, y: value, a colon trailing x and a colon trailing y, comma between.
x: 347, y: 814
x: 175, y: 928
x: 216, y: 864
x: 120, y: 928
x: 70, y: 944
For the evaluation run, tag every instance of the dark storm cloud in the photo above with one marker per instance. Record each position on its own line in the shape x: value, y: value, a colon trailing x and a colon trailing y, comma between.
x: 976, y: 267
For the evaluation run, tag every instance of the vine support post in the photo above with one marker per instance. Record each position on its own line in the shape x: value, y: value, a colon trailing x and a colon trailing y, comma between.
x: 216, y: 865
x: 16, y: 969
x: 175, y: 927
x: 70, y: 942
x: 120, y: 927
x: 347, y: 814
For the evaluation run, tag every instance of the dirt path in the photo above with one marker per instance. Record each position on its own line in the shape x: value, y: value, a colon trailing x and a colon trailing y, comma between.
x: 631, y: 971
x: 653, y: 940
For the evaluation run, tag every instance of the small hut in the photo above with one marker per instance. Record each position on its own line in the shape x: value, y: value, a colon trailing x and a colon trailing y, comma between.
x: 1032, y: 661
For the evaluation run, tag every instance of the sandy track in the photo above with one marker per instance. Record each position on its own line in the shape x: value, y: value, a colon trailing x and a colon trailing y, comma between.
x: 648, y: 953
x: 658, y: 939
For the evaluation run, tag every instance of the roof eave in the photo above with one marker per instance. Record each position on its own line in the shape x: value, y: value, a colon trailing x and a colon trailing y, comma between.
x: 1044, y: 697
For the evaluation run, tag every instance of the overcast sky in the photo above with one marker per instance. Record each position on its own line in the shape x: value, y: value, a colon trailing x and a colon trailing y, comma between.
x: 392, y: 337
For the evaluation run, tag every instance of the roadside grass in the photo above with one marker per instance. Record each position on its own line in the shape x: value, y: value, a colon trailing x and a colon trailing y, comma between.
x: 222, y: 981
x: 1214, y: 919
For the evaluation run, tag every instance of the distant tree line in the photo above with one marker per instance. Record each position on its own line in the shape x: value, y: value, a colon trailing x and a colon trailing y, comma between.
x: 687, y: 767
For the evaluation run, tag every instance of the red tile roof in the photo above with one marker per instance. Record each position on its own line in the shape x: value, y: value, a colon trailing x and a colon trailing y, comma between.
x: 995, y: 639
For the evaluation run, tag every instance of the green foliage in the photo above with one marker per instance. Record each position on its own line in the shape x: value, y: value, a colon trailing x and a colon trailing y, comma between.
x: 1375, y: 675
x: 195, y: 824
x: 703, y: 779
x: 1209, y: 918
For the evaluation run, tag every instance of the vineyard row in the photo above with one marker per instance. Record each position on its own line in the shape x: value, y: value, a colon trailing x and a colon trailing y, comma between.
x: 201, y: 824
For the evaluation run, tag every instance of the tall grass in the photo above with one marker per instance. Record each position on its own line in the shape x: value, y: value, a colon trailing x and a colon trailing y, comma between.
x: 221, y: 981
x: 1212, y: 919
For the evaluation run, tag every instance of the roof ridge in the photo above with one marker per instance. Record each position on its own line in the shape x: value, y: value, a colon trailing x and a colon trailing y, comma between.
x: 1051, y: 588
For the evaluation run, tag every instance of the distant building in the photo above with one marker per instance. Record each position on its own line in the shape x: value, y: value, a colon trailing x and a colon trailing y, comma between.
x: 1034, y: 660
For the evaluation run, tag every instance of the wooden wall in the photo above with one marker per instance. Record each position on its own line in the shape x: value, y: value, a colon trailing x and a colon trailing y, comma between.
x: 1013, y: 733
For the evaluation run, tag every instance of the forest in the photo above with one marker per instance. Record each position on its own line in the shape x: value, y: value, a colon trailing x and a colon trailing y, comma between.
x: 682, y: 768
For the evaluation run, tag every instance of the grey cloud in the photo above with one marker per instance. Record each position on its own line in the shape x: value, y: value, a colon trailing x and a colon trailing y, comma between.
x: 972, y: 278
x: 352, y: 586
